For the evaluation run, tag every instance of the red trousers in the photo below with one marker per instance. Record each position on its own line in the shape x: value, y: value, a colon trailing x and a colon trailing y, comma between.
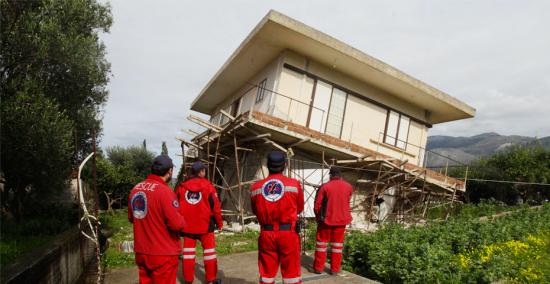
x: 279, y: 247
x: 333, y: 236
x: 157, y: 269
x: 208, y: 242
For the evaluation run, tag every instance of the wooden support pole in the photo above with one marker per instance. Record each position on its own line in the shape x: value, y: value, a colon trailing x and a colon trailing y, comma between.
x: 237, y: 168
x: 216, y: 159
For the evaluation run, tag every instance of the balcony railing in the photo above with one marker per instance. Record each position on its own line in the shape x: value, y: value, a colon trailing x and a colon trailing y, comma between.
x: 307, y: 115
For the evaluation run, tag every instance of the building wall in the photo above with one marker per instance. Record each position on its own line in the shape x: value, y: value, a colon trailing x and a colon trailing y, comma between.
x: 246, y: 95
x: 364, y: 122
x: 288, y: 95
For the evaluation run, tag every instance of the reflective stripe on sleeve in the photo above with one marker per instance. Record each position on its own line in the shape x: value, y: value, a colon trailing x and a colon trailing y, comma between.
x: 292, y: 280
x: 321, y: 249
x: 337, y: 244
x: 209, y: 250
x: 209, y: 257
x: 188, y: 256
x: 291, y: 189
x: 188, y: 249
x: 267, y: 280
x: 336, y: 250
x: 256, y: 192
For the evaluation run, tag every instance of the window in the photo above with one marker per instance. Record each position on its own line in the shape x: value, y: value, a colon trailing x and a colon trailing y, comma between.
x: 397, y: 129
x: 261, y: 91
x: 335, y: 117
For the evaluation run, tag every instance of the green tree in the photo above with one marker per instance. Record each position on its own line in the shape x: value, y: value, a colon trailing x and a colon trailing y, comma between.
x: 36, y: 148
x: 524, y: 164
x: 53, y: 48
x: 164, y: 150
x: 122, y: 169
x: 137, y: 159
x: 53, y: 78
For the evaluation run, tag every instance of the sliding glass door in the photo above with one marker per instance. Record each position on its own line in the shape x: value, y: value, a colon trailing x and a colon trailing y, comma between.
x: 320, y: 106
x: 335, y: 117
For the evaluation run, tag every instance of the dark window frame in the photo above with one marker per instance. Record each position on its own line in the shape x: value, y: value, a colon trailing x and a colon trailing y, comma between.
x: 355, y: 94
x: 396, y: 137
x: 260, y: 93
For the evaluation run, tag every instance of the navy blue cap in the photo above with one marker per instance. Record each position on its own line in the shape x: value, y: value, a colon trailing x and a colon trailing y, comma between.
x: 162, y: 163
x: 197, y: 167
x: 276, y: 161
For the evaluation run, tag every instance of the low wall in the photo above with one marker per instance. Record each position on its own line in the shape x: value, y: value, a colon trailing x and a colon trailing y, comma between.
x: 61, y: 261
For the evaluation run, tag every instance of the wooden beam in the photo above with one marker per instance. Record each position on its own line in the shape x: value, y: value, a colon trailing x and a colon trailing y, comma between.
x: 232, y: 118
x: 301, y: 141
x: 189, y: 143
x: 204, y: 123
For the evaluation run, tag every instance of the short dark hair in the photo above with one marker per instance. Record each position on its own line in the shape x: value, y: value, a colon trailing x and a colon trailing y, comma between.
x: 334, y: 171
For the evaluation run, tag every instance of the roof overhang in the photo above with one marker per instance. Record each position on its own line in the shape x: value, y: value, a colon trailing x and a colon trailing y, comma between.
x: 277, y: 32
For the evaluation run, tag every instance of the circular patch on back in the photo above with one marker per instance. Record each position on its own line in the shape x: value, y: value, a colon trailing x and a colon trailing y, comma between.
x: 139, y: 205
x: 193, y: 197
x: 273, y: 190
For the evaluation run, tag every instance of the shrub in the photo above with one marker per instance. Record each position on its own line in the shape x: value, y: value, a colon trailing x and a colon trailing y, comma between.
x: 429, y: 254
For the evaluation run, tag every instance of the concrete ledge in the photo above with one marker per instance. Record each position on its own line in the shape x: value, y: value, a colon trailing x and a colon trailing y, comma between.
x: 59, y: 261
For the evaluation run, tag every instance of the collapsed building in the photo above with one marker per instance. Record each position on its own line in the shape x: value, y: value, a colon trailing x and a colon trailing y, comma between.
x: 293, y: 88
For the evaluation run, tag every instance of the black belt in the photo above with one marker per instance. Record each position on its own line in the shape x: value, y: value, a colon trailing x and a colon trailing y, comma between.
x: 282, y: 227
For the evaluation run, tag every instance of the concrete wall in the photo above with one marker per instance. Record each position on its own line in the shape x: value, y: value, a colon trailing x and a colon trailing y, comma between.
x: 247, y: 94
x: 364, y: 121
x: 61, y: 261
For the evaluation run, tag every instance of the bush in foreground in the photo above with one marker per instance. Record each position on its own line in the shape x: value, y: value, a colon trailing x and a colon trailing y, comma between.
x: 515, y: 247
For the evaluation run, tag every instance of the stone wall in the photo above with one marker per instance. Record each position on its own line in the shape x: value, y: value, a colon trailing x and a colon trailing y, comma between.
x: 61, y: 261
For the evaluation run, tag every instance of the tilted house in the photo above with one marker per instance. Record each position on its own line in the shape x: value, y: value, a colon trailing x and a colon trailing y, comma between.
x: 291, y: 87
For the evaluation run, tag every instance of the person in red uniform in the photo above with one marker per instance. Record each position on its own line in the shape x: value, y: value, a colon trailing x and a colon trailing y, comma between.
x: 153, y: 210
x: 276, y: 201
x: 200, y: 206
x: 333, y: 213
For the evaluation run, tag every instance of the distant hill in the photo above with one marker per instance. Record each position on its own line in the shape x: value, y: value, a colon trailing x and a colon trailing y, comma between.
x: 466, y: 149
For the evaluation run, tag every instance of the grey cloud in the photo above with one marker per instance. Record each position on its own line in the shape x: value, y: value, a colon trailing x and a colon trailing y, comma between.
x: 491, y: 54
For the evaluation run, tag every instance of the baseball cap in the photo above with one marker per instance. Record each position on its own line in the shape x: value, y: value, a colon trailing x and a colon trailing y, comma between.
x: 197, y: 166
x: 276, y: 161
x: 162, y: 163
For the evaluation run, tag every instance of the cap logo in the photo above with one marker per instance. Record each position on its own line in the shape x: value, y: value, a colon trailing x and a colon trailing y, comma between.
x: 273, y: 190
x: 139, y: 205
x: 193, y: 197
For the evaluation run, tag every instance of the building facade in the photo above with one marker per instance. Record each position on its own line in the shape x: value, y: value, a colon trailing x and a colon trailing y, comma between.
x: 296, y: 89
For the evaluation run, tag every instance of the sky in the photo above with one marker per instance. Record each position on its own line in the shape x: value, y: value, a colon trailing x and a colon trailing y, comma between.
x: 492, y: 55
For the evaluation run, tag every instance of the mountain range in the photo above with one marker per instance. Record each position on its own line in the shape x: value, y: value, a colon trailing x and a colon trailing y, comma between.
x: 467, y: 149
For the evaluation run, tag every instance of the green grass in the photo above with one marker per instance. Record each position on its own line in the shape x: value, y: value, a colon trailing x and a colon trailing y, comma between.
x: 121, y: 230
x: 40, y: 223
x: 12, y: 247
x: 226, y: 242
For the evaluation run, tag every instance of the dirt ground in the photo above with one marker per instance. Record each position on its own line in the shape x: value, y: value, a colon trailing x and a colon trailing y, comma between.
x: 241, y: 268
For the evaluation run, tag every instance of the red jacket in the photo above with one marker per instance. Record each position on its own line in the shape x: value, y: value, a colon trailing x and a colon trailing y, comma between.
x: 332, y: 202
x: 277, y: 200
x: 153, y: 209
x: 200, y: 205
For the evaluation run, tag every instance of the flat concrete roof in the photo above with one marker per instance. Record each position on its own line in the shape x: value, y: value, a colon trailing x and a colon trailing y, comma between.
x: 277, y: 32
